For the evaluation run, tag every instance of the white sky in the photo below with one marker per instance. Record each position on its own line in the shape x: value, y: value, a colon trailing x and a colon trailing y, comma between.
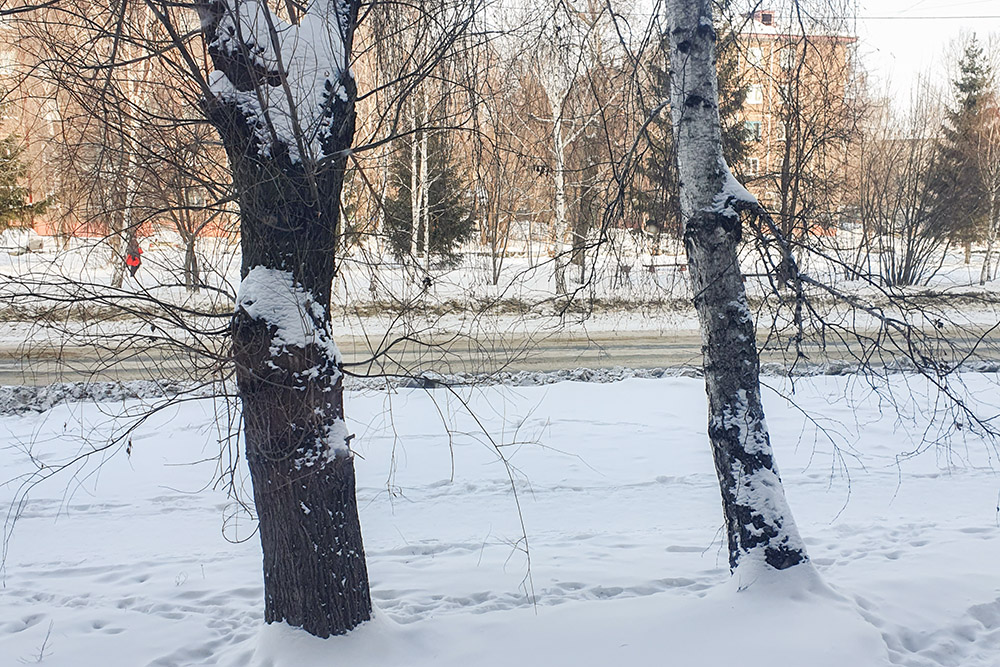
x: 898, y: 47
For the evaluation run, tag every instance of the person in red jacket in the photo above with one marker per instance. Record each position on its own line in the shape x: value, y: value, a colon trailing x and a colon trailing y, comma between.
x: 132, y: 256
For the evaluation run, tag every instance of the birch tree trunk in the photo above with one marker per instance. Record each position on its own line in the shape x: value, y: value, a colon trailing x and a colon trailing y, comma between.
x: 758, y: 521
x: 136, y: 85
x: 416, y: 204
x: 986, y: 274
x: 287, y: 147
x: 425, y: 186
x: 559, y: 178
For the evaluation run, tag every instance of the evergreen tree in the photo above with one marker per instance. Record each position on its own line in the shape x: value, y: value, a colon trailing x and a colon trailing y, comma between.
x: 14, y: 205
x: 657, y: 196
x: 732, y: 96
x: 450, y: 208
x: 960, y: 195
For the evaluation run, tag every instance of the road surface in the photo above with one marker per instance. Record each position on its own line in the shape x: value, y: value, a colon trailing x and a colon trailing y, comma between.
x: 37, y: 365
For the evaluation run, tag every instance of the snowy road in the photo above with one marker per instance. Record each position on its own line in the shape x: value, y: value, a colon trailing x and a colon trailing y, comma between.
x: 444, y: 354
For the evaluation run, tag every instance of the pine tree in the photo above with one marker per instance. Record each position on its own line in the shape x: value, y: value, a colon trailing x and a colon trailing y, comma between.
x: 450, y: 211
x: 14, y: 204
x: 960, y: 195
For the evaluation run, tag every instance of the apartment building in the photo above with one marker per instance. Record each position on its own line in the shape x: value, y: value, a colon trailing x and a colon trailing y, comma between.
x: 800, y: 115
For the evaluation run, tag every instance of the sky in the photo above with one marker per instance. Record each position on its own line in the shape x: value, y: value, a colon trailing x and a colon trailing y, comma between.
x: 902, y: 41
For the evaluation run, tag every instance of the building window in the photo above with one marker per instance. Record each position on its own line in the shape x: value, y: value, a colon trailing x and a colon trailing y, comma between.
x: 755, y: 94
x: 767, y: 18
x: 752, y: 128
x: 752, y: 166
x: 755, y: 56
x: 780, y: 131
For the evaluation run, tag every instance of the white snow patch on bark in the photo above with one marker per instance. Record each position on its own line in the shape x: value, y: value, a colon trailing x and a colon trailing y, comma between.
x: 332, y: 444
x: 311, y: 57
x: 753, y: 436
x: 762, y: 490
x: 732, y: 193
x: 272, y: 295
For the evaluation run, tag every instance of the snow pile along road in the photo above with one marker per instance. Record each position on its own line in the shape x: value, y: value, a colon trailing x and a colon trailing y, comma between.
x: 142, y: 560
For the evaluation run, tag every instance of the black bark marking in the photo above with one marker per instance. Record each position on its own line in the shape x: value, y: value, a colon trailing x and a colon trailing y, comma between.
x: 706, y: 31
x: 694, y: 101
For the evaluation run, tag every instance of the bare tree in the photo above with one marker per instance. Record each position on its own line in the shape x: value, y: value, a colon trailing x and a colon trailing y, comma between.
x: 560, y: 63
x: 900, y: 244
x: 282, y: 98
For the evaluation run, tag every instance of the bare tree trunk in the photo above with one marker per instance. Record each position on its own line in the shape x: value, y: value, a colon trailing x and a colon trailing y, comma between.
x: 117, y: 245
x: 758, y: 520
x: 137, y: 76
x: 415, y: 186
x: 425, y: 185
x: 986, y: 273
x: 287, y: 367
x: 192, y: 277
x: 559, y: 180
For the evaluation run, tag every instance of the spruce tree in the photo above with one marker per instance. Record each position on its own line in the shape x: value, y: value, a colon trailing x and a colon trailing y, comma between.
x: 957, y: 184
x: 450, y: 208
x: 14, y: 204
x: 656, y: 195
x: 657, y: 198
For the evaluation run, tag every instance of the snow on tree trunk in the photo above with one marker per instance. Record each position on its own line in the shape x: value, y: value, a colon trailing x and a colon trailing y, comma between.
x: 758, y: 520
x: 282, y: 99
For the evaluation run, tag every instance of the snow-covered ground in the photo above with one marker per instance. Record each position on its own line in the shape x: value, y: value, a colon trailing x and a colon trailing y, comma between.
x: 621, y: 272
x: 145, y: 560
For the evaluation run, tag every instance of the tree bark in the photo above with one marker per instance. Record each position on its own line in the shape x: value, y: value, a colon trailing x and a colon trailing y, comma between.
x: 425, y: 204
x: 759, y: 523
x: 559, y: 179
x: 993, y: 231
x: 416, y: 188
x: 287, y: 368
x: 192, y: 272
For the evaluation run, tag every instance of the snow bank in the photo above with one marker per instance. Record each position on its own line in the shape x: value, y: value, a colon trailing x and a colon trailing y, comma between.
x: 22, y: 399
x: 18, y: 399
